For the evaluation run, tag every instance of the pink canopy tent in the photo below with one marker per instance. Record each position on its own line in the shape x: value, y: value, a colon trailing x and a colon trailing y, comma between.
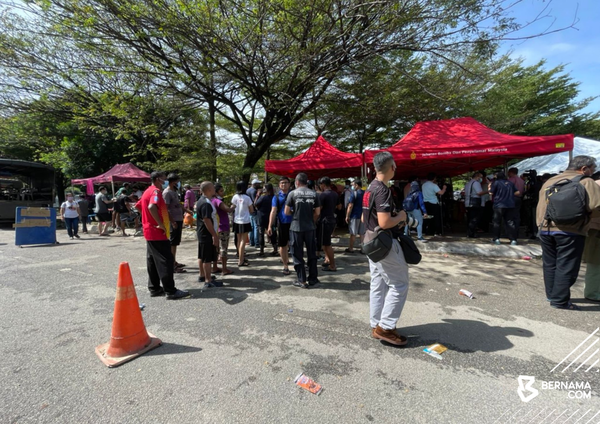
x: 120, y: 172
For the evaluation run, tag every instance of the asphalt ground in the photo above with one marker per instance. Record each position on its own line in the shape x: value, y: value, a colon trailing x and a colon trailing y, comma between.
x: 231, y: 354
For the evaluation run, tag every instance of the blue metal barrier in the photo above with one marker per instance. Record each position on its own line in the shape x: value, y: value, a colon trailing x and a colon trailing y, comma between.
x: 35, y: 226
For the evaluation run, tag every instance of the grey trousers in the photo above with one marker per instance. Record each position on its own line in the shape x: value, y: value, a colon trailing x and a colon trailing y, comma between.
x: 389, y: 288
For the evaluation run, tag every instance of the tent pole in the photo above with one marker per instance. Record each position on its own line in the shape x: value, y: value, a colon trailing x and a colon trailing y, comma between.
x: 570, y: 155
x: 362, y: 172
x: 266, y: 173
x: 112, y: 183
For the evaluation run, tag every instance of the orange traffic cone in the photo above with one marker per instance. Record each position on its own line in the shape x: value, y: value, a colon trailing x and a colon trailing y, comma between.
x: 129, y: 338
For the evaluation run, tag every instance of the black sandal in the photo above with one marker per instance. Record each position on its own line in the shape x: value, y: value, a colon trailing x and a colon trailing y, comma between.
x: 570, y: 307
x: 245, y: 263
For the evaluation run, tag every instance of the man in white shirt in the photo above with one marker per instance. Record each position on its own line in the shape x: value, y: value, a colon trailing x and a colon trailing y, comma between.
x: 430, y: 192
x: 474, y: 203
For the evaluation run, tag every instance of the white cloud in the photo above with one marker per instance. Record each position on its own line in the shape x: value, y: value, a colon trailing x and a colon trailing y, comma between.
x: 562, y: 47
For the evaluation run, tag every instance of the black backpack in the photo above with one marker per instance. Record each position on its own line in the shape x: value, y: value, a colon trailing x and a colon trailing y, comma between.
x: 120, y: 204
x: 566, y: 202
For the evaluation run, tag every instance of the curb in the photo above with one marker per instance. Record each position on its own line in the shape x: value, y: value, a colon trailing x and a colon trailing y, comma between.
x: 489, y: 250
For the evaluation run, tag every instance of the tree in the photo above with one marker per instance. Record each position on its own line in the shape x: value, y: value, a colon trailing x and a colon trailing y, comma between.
x: 263, y: 64
x: 84, y: 140
x: 532, y: 100
x: 381, y: 100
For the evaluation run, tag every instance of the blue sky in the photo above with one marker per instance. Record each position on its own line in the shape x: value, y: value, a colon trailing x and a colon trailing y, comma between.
x: 578, y: 48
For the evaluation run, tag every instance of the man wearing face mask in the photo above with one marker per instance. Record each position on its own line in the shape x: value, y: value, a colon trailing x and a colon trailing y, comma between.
x: 562, y: 244
x: 171, y: 196
x: 473, y: 203
x: 159, y: 258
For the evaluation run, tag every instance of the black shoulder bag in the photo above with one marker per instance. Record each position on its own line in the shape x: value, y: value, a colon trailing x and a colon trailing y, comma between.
x: 412, y: 255
x: 378, y: 243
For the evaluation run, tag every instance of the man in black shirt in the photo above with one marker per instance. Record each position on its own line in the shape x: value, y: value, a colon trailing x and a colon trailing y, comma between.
x: 208, y: 236
x: 389, y: 277
x: 304, y: 205
x: 329, y: 203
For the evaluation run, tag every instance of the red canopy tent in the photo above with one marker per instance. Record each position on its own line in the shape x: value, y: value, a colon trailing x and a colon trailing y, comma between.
x: 455, y: 146
x: 119, y: 172
x: 321, y: 159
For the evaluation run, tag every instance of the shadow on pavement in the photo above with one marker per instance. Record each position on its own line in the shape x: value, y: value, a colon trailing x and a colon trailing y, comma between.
x: 235, y: 291
x: 464, y: 336
x: 172, y: 349
x: 27, y: 246
x: 231, y: 297
x: 355, y: 284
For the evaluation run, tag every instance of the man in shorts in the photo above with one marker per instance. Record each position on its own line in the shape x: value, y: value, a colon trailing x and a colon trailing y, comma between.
x: 208, y: 239
x: 224, y: 227
x: 283, y: 222
x: 102, y: 214
x: 126, y: 215
x: 171, y: 196
x: 116, y: 221
x: 326, y: 225
x: 354, y: 213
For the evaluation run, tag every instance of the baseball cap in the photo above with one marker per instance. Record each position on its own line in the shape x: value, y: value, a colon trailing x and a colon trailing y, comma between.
x: 256, y: 181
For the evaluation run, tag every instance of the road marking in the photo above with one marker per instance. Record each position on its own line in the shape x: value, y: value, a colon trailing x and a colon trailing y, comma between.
x: 597, y: 360
x: 593, y: 417
x: 536, y: 415
x: 590, y: 357
x: 582, y: 416
x: 581, y: 354
x: 581, y: 344
x: 572, y: 415
x: 547, y: 416
x: 559, y: 416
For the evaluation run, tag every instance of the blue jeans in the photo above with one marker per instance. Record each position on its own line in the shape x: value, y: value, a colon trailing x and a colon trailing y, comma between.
x: 418, y: 215
x: 254, y: 237
x: 72, y: 224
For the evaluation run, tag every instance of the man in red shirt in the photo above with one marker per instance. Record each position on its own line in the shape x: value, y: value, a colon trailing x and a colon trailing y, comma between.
x: 159, y: 258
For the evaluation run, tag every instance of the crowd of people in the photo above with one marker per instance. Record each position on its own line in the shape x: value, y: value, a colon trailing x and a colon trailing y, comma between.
x: 297, y: 223
x: 299, y: 219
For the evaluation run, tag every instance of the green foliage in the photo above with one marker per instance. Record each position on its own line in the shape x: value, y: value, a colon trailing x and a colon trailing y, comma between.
x: 379, y: 101
x: 533, y: 100
x: 263, y: 64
